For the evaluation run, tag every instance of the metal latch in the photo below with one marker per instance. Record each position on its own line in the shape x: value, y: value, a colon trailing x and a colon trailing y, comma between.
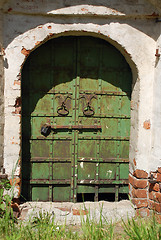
x: 46, y: 129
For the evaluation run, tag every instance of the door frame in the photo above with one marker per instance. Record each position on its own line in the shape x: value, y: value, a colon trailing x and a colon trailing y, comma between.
x: 120, y: 44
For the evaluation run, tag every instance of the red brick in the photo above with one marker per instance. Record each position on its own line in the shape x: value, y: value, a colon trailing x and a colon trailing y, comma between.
x: 154, y: 187
x: 140, y: 173
x: 138, y: 183
x: 140, y: 203
x: 131, y: 180
x: 139, y: 193
x: 143, y: 212
x: 159, y: 177
x: 157, y: 207
x: 158, y: 196
x: 129, y: 187
x: 151, y: 204
x: 79, y: 212
x: 152, y: 195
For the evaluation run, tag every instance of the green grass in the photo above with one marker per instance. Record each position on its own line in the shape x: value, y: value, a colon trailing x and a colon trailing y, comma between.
x: 143, y: 229
x: 43, y: 227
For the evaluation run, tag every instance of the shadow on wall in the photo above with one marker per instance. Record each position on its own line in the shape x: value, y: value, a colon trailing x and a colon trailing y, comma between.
x: 16, y: 25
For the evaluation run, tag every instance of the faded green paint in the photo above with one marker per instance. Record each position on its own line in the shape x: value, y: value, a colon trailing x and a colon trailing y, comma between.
x: 73, y: 81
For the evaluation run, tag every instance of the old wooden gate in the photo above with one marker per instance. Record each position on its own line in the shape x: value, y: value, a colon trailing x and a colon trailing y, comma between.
x: 75, y: 120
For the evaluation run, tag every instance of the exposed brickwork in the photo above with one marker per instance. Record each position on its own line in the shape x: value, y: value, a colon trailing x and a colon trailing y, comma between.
x: 145, y: 193
x: 140, y: 203
x: 138, y: 187
x: 25, y: 52
x: 141, y: 183
x: 156, y: 196
x: 154, y: 187
x: 155, y: 191
x: 79, y: 212
x: 139, y: 193
x: 147, y: 124
x: 155, y: 206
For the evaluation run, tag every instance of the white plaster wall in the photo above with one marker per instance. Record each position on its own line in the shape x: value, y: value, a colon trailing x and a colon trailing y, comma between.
x: 136, y: 39
x: 155, y: 161
x: 126, y: 7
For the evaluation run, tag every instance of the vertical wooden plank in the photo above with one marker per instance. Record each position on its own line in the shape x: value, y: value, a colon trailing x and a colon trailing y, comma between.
x: 98, y: 121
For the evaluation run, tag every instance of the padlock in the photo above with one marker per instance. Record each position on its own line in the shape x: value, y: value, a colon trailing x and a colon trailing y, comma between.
x: 45, y: 130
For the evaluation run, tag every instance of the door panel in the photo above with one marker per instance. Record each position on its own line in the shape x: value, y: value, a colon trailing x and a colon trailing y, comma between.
x: 80, y: 88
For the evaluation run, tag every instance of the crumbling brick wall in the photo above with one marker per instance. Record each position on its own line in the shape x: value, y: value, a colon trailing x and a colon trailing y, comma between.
x: 138, y: 185
x: 145, y: 191
x: 155, y: 191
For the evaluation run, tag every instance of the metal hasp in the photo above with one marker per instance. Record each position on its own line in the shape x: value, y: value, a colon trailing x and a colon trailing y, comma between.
x: 75, y: 121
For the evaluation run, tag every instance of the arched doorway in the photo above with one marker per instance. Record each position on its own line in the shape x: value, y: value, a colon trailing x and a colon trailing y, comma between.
x: 75, y: 121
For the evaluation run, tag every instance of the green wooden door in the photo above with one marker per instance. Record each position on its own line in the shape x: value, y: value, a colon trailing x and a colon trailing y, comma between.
x: 79, y: 87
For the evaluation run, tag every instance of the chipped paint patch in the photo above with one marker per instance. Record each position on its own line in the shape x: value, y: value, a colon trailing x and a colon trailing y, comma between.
x: 17, y: 82
x: 81, y: 164
x: 25, y: 52
x: 37, y: 43
x: 147, y: 124
x: 109, y: 173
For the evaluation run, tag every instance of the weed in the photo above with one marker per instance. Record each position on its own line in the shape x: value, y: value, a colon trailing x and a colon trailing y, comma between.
x: 143, y: 229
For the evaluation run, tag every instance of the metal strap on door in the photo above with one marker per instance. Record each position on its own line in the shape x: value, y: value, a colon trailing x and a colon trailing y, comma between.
x: 46, y: 129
